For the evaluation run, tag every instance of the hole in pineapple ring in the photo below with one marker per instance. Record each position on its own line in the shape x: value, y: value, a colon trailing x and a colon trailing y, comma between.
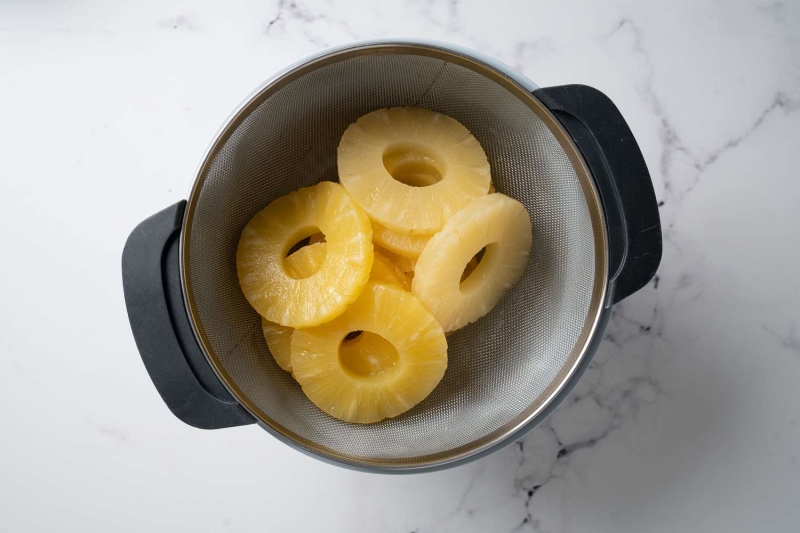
x: 367, y: 354
x: 413, y: 164
x: 478, y: 267
x: 303, y: 237
x: 352, y: 335
x: 304, y: 265
x: 472, y: 264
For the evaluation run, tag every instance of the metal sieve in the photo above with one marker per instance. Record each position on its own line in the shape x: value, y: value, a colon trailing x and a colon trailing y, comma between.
x: 565, y: 152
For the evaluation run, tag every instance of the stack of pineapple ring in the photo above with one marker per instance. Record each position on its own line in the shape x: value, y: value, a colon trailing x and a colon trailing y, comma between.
x: 413, y: 244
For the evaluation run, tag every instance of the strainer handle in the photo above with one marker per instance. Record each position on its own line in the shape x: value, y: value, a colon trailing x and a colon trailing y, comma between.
x: 161, y: 328
x: 623, y: 181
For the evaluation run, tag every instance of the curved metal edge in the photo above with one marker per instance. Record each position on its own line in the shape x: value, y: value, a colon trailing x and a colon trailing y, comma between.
x: 565, y: 383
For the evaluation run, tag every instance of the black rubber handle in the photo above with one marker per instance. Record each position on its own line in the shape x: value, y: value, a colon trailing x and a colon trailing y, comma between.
x: 619, y: 170
x: 161, y: 328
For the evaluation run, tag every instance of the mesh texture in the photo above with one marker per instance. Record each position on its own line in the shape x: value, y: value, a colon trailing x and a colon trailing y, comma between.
x: 500, y: 365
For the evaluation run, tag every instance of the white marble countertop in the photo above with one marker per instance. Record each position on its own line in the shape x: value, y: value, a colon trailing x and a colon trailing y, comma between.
x: 688, y: 418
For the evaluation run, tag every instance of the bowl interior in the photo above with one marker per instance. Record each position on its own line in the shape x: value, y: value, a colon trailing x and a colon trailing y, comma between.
x: 503, y: 367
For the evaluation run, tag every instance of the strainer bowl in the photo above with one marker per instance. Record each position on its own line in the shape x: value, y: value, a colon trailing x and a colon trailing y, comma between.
x: 565, y: 152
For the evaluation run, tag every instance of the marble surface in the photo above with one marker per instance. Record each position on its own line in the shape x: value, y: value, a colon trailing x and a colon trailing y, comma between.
x: 688, y: 418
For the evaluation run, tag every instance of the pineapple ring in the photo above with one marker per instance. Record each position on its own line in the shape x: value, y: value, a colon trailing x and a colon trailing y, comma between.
x: 279, y: 342
x: 386, y: 272
x: 406, y: 245
x: 265, y: 280
x: 405, y: 264
x: 496, y: 222
x: 411, y: 169
x: 382, y: 387
x: 303, y: 263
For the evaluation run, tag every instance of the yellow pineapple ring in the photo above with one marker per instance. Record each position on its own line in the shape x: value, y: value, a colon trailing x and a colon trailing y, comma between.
x: 390, y: 381
x: 405, y: 264
x: 260, y: 258
x: 406, y: 245
x: 279, y: 342
x: 303, y: 263
x: 496, y: 222
x: 387, y: 272
x: 411, y: 169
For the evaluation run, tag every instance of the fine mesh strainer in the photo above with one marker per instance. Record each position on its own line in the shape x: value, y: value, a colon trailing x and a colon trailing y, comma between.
x: 565, y: 152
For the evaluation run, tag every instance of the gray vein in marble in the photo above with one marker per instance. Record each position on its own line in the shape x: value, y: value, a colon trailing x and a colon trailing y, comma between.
x: 670, y: 140
x: 610, y: 394
x: 540, y: 46
x: 283, y: 8
x: 789, y: 340
x: 677, y: 186
x: 775, y: 10
x: 467, y: 491
x: 780, y: 102
x: 288, y: 10
x: 115, y: 434
x: 461, y: 502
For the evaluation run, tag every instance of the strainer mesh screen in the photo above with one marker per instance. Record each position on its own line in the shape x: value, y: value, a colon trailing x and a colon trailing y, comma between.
x: 497, y: 367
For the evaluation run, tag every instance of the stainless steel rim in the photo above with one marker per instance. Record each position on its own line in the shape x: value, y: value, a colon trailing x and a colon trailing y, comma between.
x: 593, y: 326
